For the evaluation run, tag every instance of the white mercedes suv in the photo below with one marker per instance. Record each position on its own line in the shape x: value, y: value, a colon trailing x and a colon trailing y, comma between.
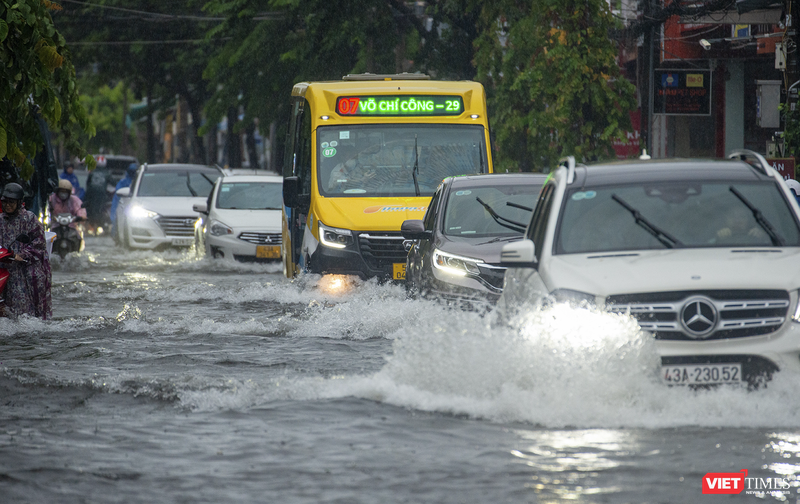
x: 705, y: 254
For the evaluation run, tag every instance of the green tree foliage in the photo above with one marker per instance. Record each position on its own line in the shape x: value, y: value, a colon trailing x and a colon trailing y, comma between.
x: 272, y: 45
x: 554, y: 86
x: 157, y: 47
x: 105, y: 107
x: 36, y: 73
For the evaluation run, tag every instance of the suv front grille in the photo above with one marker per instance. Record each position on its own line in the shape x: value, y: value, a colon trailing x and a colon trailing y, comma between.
x: 177, y: 226
x: 381, y: 250
x: 262, y: 238
x: 739, y: 313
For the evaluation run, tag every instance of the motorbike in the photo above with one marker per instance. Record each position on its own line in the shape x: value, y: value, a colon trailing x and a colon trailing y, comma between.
x: 68, y: 239
x: 6, y: 256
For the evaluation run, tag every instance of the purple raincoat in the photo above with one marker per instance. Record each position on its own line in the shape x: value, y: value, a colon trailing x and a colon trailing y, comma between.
x: 28, y: 288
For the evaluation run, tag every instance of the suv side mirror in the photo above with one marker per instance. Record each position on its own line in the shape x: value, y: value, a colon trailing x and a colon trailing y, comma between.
x: 200, y: 208
x: 519, y: 254
x: 124, y: 192
x: 414, y: 229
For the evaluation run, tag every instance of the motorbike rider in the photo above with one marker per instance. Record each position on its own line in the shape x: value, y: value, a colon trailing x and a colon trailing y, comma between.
x: 28, y: 288
x: 63, y: 201
x: 126, y: 181
x: 69, y: 174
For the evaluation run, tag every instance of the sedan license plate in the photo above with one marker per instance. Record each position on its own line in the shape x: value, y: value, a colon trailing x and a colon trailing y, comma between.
x: 701, y: 374
x: 268, y: 251
x: 182, y: 242
x: 399, y: 271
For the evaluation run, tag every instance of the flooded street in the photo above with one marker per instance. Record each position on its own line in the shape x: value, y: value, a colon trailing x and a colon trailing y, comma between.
x: 167, y: 378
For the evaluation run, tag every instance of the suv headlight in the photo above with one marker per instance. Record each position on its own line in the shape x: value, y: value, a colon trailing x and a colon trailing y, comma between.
x: 455, y: 265
x: 219, y: 229
x: 335, y: 237
x: 138, y: 212
x: 573, y: 297
x: 796, y: 316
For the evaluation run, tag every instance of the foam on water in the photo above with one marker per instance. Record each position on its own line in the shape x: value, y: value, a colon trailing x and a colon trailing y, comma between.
x: 558, y: 367
x: 554, y: 367
x: 148, y: 260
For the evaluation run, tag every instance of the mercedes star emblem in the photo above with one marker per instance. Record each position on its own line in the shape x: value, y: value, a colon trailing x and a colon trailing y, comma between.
x: 699, y: 317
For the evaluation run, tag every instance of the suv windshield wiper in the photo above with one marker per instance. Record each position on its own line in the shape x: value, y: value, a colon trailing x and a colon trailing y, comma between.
x: 510, y: 224
x: 521, y: 207
x: 415, y: 170
x: 665, y: 238
x: 500, y: 238
x: 762, y: 221
x: 189, y: 185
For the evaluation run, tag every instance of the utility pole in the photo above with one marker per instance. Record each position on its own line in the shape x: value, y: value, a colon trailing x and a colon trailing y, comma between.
x: 646, y: 79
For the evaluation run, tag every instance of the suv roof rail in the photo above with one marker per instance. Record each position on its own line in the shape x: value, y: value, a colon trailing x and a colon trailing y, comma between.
x: 748, y: 156
x: 379, y: 77
x: 569, y: 163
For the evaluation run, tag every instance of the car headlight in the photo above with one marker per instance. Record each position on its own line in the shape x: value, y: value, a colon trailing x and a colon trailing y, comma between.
x: 334, y: 237
x: 138, y: 212
x: 219, y: 229
x: 455, y: 265
x: 573, y: 297
x: 796, y: 316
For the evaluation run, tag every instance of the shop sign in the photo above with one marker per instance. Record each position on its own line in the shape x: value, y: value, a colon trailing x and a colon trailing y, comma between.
x: 682, y: 92
x: 784, y: 166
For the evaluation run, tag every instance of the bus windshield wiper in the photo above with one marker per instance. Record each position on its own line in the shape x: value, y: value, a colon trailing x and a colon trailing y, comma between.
x: 762, y: 221
x: 508, y: 223
x: 665, y: 238
x: 415, y: 170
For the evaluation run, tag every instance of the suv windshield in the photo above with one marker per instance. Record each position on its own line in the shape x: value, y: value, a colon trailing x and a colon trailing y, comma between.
x: 250, y: 196
x: 675, y: 214
x: 175, y: 183
x: 489, y: 211
x: 381, y: 160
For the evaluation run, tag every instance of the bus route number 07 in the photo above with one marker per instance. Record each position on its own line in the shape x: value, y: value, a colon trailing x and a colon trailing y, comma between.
x: 348, y: 106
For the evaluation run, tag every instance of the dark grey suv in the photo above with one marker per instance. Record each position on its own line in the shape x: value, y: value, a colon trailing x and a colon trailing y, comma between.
x: 455, y: 251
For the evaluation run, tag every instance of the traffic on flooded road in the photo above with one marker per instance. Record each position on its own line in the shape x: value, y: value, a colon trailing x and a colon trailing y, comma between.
x: 166, y: 376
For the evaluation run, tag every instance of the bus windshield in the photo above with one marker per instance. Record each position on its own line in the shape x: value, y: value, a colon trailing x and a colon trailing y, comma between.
x: 381, y: 160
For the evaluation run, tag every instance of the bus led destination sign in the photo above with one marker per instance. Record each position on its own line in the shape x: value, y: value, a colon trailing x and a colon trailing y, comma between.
x: 406, y: 105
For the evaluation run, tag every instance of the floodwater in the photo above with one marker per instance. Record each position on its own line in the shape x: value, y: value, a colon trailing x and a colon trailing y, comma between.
x: 167, y: 378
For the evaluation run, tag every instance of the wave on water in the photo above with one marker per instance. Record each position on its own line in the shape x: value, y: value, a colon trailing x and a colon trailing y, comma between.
x: 558, y: 367
x: 174, y: 261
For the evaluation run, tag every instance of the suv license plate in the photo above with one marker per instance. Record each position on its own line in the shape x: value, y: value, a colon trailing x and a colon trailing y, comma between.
x: 182, y: 242
x: 701, y: 374
x: 399, y: 271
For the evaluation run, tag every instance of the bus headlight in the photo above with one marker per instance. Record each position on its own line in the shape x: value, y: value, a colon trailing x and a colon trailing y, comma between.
x: 455, y: 265
x: 335, y: 237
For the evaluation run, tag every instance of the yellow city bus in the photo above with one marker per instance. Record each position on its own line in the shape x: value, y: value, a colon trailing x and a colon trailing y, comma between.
x: 366, y: 153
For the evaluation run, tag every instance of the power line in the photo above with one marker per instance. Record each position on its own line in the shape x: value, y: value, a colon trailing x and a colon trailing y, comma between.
x: 143, y: 42
x: 260, y: 17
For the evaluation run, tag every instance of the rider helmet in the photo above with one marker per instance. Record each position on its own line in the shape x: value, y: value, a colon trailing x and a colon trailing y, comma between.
x: 65, y: 185
x: 12, y: 191
x: 131, y: 169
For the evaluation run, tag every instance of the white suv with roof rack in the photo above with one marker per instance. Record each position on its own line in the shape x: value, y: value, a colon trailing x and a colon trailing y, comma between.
x: 703, y: 253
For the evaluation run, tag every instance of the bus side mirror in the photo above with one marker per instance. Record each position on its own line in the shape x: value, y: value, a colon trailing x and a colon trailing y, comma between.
x: 414, y: 230
x: 519, y: 254
x: 291, y: 188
